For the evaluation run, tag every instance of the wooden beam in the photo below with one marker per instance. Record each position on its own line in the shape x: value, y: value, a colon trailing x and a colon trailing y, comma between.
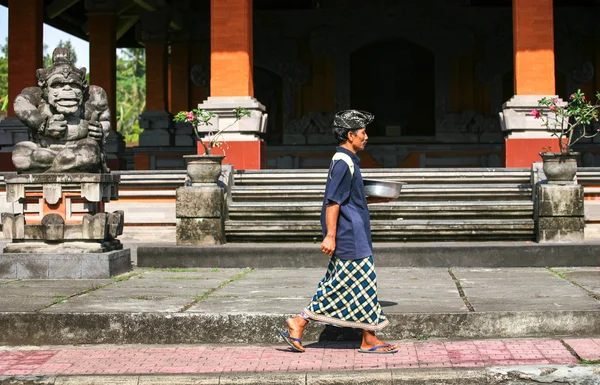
x: 150, y: 5
x: 124, y: 6
x: 124, y: 24
x: 59, y: 6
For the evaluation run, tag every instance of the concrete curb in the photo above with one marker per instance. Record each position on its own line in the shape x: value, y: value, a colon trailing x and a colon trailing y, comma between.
x: 36, y: 328
x: 291, y: 255
x: 535, y: 374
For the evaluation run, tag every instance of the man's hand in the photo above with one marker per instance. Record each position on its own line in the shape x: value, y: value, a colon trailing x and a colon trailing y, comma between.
x: 57, y: 126
x: 328, y: 245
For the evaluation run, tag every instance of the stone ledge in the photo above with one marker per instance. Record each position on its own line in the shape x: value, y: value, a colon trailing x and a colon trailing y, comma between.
x: 450, y: 254
x: 194, y: 328
x: 64, y: 265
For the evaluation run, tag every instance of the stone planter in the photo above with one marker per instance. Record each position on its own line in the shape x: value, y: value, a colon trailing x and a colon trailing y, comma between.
x: 204, y: 170
x: 560, y: 168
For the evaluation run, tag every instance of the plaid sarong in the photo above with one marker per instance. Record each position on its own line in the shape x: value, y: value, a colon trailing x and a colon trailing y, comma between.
x: 347, y: 296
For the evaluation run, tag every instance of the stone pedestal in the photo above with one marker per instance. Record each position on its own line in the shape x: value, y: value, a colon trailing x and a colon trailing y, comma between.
x: 115, y: 150
x: 526, y: 137
x: 200, y: 213
x: 63, y: 231
x: 244, y: 148
x: 156, y: 125
x: 560, y: 213
x: 12, y: 131
x: 163, y: 142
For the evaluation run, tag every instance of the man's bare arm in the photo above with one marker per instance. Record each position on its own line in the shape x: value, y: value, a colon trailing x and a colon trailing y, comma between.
x: 332, y: 213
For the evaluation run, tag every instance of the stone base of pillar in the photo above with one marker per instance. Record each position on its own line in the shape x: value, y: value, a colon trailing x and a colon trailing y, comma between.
x: 242, y: 154
x: 12, y: 131
x: 560, y: 213
x: 200, y: 218
x: 243, y: 147
x: 526, y: 137
x: 156, y: 126
x: 115, y: 150
x: 522, y: 152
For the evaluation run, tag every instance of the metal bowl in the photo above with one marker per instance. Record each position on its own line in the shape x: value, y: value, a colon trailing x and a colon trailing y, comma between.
x: 382, y: 188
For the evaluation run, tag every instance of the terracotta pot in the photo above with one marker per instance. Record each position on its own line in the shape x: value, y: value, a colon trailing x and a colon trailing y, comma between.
x: 560, y: 167
x: 203, y: 169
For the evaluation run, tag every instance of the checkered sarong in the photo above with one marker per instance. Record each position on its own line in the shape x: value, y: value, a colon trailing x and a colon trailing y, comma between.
x: 347, y: 296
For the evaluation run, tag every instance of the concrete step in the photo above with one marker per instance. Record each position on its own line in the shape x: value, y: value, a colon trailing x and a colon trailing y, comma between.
x: 385, y: 230
x: 388, y: 254
x: 419, y: 176
x: 410, y: 192
x: 179, y: 306
x: 389, y: 211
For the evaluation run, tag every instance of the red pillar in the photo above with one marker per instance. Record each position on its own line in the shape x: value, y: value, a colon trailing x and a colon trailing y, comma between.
x: 231, y: 48
x: 25, y: 46
x: 156, y: 77
x: 103, y: 57
x: 533, y: 46
x: 179, y: 71
x: 231, y: 81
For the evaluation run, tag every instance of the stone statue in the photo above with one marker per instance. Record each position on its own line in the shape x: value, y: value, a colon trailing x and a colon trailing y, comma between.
x: 68, y: 121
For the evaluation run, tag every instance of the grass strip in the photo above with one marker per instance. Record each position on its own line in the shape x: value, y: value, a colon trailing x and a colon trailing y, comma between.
x: 118, y: 278
x: 461, y: 292
x: 562, y: 276
x: 204, y: 296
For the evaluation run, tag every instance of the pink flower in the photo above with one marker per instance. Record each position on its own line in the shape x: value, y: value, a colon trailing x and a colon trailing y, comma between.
x: 553, y: 108
x: 536, y: 114
x: 190, y: 115
x: 583, y: 97
x: 555, y: 101
x: 572, y: 96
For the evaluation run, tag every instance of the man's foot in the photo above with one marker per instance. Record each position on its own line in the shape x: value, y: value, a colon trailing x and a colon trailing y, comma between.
x: 370, y: 343
x: 296, y: 327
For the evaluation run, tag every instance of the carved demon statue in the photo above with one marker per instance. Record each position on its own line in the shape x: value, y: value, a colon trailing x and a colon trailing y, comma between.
x: 68, y: 121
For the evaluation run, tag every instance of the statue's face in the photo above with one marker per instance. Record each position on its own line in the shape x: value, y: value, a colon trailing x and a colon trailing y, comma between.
x: 64, y: 94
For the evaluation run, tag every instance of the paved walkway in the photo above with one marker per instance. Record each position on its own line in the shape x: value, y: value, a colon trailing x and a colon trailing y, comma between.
x: 318, y: 357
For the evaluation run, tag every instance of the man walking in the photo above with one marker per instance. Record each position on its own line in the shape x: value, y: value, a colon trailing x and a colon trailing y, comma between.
x: 347, y: 295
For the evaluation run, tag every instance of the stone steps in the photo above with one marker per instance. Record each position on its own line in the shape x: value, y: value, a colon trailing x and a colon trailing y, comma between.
x: 385, y: 230
x: 410, y: 176
x: 390, y: 211
x: 435, y: 204
x: 410, y: 192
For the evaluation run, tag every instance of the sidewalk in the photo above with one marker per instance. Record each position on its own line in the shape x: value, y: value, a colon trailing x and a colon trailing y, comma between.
x: 243, y: 306
x: 217, y: 326
x: 334, y: 358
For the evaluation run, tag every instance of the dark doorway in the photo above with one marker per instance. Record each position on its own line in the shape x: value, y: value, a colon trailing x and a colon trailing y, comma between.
x: 394, y: 79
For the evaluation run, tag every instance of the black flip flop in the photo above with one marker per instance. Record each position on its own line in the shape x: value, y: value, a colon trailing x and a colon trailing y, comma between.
x: 288, y: 340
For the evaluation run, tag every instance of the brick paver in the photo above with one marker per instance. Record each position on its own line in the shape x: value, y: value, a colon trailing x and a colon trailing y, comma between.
x: 586, y: 348
x: 318, y: 357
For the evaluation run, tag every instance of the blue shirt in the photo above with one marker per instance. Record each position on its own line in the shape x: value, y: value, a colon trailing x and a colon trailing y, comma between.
x: 353, y: 239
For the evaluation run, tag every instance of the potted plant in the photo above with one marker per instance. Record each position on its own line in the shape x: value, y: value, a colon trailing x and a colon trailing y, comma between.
x: 569, y: 122
x: 206, y: 168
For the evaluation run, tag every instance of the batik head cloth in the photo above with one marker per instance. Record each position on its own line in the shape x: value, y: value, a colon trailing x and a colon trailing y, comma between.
x: 352, y: 119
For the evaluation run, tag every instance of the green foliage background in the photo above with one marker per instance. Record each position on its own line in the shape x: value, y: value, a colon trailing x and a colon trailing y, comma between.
x: 131, y: 85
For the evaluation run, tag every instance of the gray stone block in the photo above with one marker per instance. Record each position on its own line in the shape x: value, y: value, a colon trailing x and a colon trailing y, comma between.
x: 200, y: 231
x: 560, y: 200
x: 8, y: 270
x: 53, y: 227
x: 65, y: 266
x: 32, y: 268
x: 560, y: 229
x: 199, y: 202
